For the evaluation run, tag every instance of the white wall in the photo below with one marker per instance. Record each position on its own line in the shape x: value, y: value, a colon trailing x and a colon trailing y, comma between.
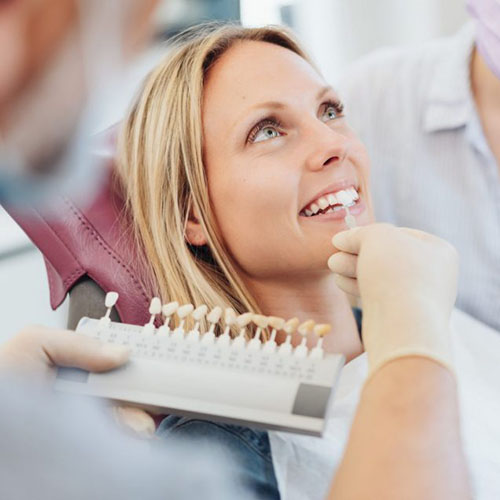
x: 338, y: 31
x: 24, y: 291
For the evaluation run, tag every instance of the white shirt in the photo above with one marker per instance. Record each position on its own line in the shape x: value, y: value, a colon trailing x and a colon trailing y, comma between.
x: 432, y: 168
x: 305, y: 465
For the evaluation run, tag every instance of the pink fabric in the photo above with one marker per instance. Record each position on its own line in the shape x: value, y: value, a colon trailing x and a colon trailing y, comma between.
x: 95, y: 241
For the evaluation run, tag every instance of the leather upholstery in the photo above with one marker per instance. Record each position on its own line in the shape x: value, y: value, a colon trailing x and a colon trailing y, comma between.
x: 95, y: 241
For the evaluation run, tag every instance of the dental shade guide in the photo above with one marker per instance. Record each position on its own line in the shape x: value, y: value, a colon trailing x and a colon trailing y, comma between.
x: 109, y: 302
x: 154, y: 309
x: 214, y: 378
x: 320, y: 331
x: 167, y: 311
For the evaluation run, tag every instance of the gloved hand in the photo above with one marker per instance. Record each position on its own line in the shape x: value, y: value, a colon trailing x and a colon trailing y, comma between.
x: 36, y: 351
x: 407, y: 280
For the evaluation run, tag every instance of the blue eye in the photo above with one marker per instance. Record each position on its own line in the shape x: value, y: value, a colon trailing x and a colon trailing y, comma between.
x: 332, y: 110
x: 265, y: 133
x: 264, y: 130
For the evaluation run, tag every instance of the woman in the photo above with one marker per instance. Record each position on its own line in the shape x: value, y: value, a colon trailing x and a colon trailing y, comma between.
x: 230, y: 157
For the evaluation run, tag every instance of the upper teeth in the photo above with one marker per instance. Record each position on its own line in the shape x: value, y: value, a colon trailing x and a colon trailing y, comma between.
x: 326, y: 203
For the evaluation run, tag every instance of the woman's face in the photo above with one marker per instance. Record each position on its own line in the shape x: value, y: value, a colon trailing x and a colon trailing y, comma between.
x: 279, y: 154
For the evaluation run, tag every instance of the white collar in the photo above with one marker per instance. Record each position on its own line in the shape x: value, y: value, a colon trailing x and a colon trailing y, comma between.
x: 449, y: 102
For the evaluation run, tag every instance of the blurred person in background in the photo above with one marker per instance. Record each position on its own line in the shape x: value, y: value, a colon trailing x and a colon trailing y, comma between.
x: 430, y: 118
x: 54, y: 54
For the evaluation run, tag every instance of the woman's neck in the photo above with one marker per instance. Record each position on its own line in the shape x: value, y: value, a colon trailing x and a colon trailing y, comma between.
x: 319, y: 299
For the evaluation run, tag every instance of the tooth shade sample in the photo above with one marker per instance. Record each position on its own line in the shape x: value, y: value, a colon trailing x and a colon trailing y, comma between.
x: 184, y: 310
x: 291, y: 325
x: 229, y: 316
x: 170, y: 308
x: 275, y: 322
x: 155, y: 306
x: 200, y: 312
x: 306, y: 327
x: 214, y: 315
x: 315, y: 208
x: 260, y: 321
x: 322, y: 329
x: 244, y: 319
x: 111, y: 299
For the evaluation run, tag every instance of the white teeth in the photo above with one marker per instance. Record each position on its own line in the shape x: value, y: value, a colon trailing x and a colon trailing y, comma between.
x: 333, y: 202
x: 331, y: 199
x: 344, y: 197
x: 323, y: 203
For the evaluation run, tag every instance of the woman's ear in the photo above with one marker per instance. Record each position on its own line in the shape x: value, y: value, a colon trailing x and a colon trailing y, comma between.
x: 194, y: 232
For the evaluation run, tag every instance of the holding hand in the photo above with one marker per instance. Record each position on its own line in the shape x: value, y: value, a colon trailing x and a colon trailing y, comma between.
x: 407, y: 280
x: 36, y: 351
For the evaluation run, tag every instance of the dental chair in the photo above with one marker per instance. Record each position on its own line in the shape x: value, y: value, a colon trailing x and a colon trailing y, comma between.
x: 89, y: 251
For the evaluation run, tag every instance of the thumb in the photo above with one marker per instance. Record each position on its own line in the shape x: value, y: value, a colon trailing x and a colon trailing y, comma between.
x: 66, y: 348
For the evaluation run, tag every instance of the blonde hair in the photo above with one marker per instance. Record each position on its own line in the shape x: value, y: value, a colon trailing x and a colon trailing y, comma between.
x: 161, y: 167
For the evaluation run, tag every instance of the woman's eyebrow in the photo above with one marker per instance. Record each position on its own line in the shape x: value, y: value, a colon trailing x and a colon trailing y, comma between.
x: 281, y: 105
x: 323, y: 91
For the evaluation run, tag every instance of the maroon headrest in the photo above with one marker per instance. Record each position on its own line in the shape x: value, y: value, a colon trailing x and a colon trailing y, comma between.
x: 94, y: 241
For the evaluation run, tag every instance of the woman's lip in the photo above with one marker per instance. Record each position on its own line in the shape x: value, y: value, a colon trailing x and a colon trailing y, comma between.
x: 356, y: 209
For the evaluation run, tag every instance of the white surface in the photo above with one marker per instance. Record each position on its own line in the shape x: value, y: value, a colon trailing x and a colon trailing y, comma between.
x: 337, y: 32
x: 11, y: 235
x: 182, y: 376
x: 477, y: 354
x: 24, y: 295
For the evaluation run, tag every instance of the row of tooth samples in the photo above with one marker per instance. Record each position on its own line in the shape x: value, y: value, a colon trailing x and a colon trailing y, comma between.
x: 242, y: 322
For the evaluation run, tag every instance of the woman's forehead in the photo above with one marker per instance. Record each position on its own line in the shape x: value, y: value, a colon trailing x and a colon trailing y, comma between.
x: 253, y: 72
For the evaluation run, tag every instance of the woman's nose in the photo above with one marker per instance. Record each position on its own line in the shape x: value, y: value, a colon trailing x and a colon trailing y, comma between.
x: 327, y: 147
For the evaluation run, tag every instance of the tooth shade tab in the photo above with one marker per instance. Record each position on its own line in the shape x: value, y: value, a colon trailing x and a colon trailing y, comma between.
x: 244, y: 319
x: 111, y: 299
x: 229, y: 316
x: 275, y: 322
x: 170, y: 308
x: 260, y: 320
x: 291, y: 325
x: 200, y: 312
x: 322, y: 329
x: 184, y: 310
x: 306, y: 327
x: 155, y: 306
x: 214, y: 315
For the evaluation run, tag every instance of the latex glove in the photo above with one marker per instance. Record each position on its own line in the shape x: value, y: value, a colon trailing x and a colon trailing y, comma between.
x: 407, y: 280
x: 36, y: 351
